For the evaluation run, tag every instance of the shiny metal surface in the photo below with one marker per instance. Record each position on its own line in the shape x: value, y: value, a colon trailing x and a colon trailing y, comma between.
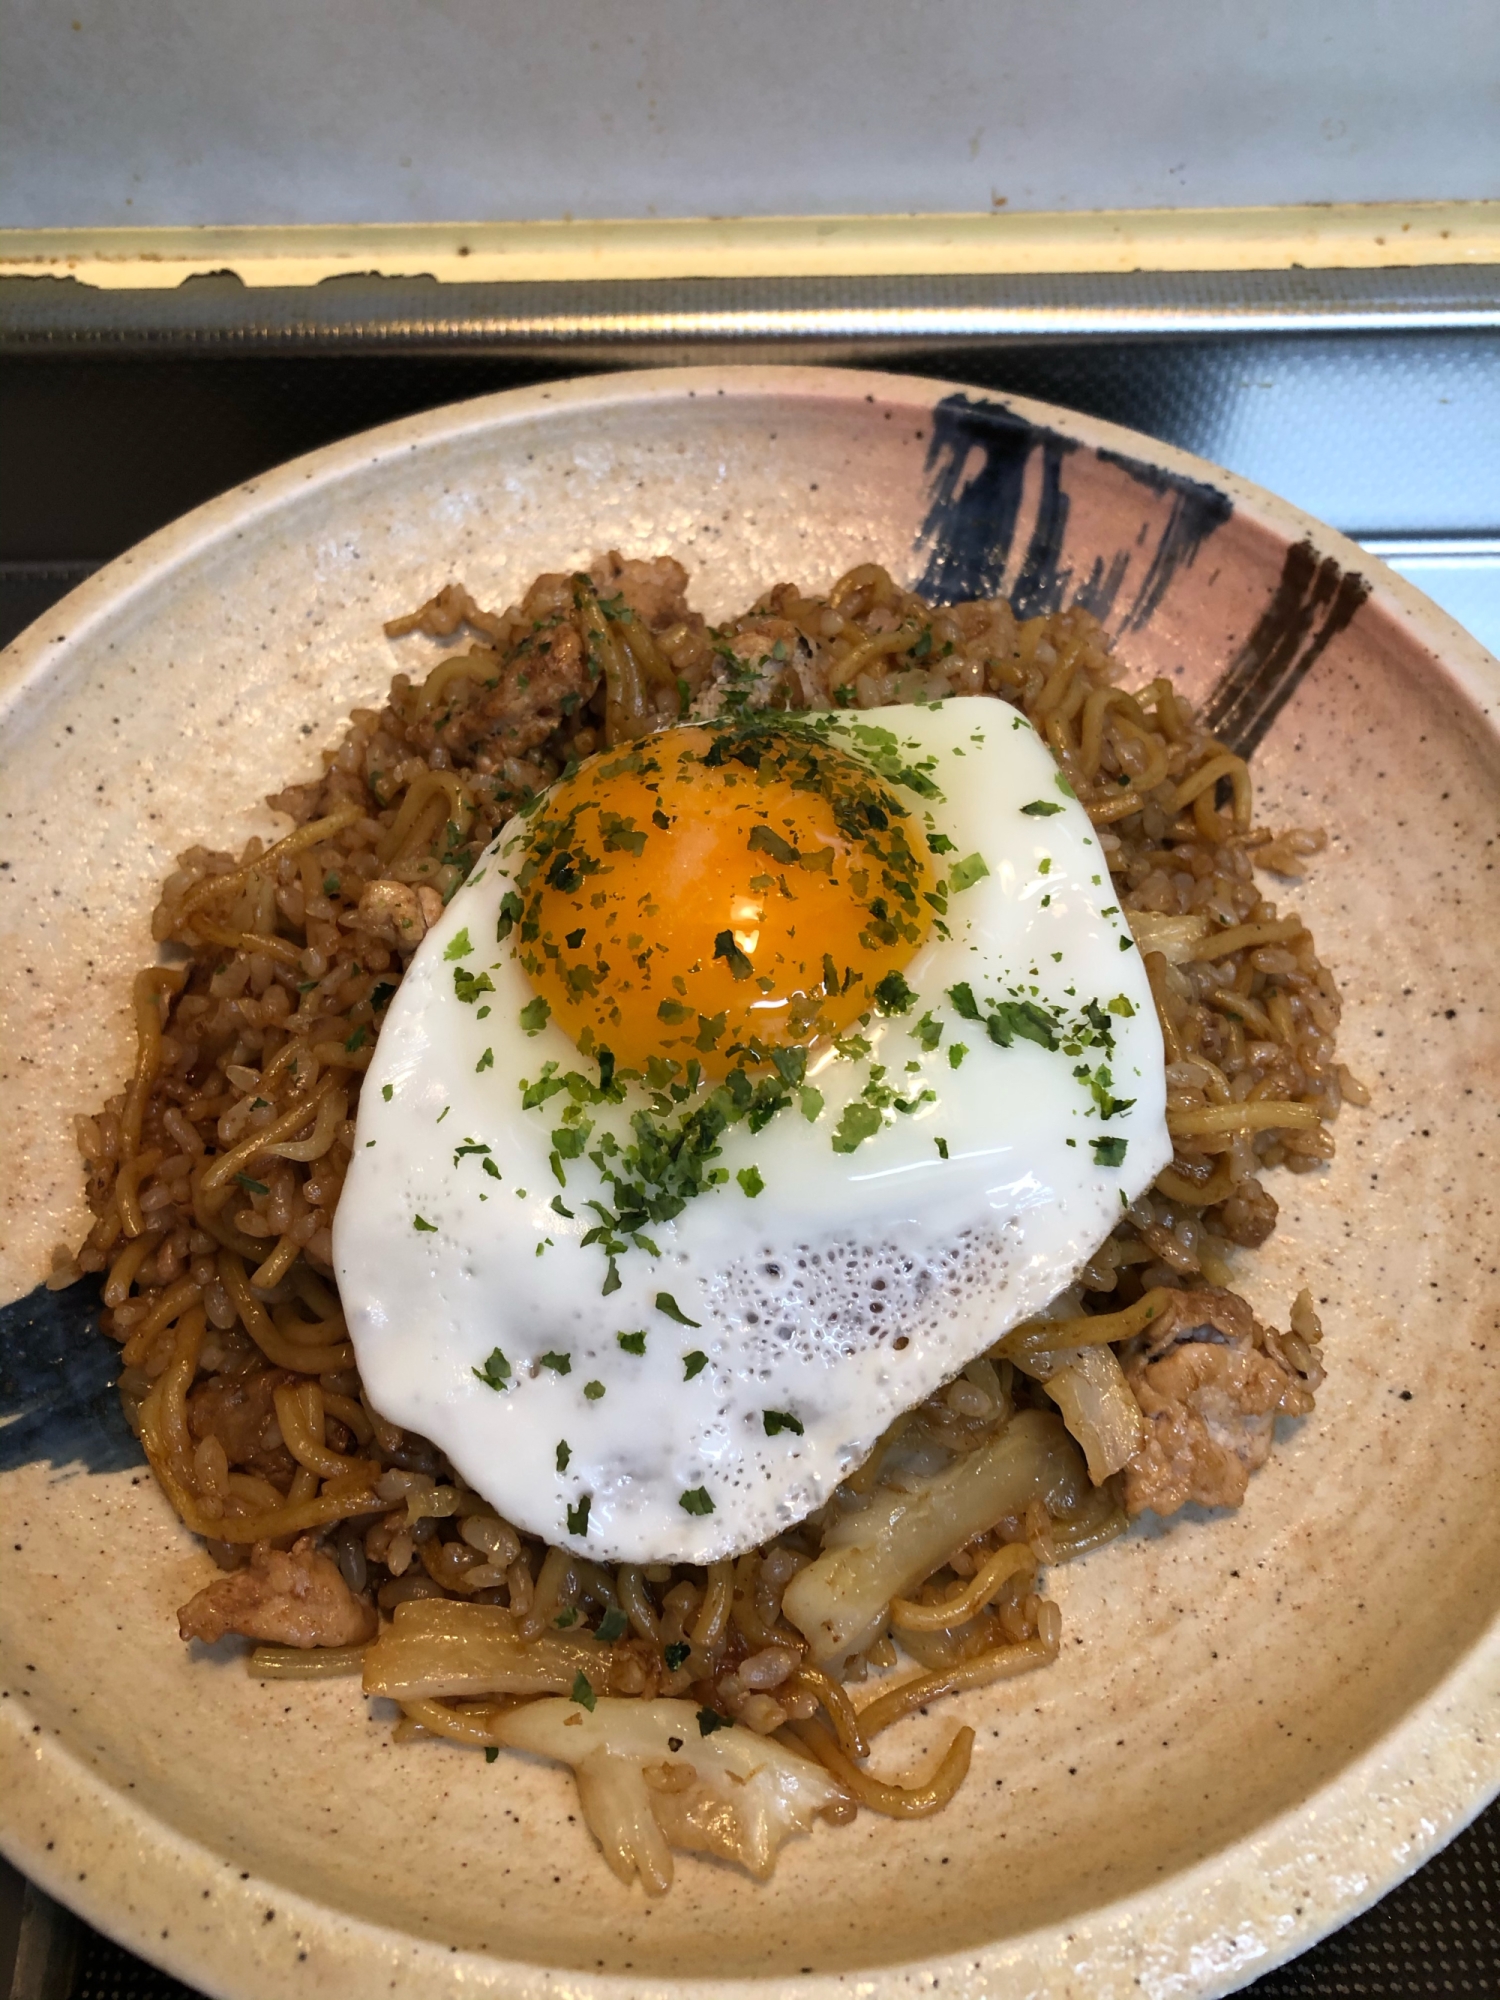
x: 1371, y: 398
x: 419, y: 313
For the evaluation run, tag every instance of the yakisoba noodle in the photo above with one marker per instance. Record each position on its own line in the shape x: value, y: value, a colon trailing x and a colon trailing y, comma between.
x: 349, y: 1546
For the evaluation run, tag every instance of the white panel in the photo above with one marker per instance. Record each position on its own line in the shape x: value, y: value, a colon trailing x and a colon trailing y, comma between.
x: 164, y: 111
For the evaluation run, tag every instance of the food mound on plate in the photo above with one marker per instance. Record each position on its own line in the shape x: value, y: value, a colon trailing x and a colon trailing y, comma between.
x: 708, y: 1159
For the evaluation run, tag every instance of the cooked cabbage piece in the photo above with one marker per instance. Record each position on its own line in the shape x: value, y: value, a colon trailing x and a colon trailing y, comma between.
x: 650, y: 1780
x: 435, y: 1648
x: 1176, y: 938
x: 1088, y: 1385
x: 887, y: 1547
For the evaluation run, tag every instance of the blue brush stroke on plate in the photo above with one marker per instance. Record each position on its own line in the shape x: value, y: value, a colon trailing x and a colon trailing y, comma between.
x: 58, y: 1404
x: 977, y: 462
x: 1197, y: 510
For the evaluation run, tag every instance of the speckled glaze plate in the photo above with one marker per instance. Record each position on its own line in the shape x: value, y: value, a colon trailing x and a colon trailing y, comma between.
x: 1259, y: 1723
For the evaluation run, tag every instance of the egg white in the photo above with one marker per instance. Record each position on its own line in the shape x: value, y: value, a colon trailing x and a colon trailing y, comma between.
x: 846, y: 1291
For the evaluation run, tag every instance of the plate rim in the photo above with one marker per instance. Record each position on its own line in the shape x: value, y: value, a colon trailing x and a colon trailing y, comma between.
x: 1433, y: 1771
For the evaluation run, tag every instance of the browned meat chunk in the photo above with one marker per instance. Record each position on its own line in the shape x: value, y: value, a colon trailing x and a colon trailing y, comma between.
x: 295, y: 1598
x: 1249, y: 1215
x: 1211, y: 1383
x: 543, y: 679
x: 396, y: 913
x: 1212, y: 1411
x: 656, y: 591
x: 1209, y: 1313
x: 549, y: 598
x: 240, y: 1411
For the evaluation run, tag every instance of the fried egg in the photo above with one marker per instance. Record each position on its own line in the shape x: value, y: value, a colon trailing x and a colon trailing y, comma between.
x: 762, y: 1075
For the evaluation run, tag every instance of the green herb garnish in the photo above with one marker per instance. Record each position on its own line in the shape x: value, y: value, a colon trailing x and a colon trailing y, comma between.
x: 469, y: 985
x: 495, y: 1374
x: 665, y: 1303
x: 740, y: 967
x: 893, y: 995
x: 928, y: 1033
x: 858, y: 1121
x: 1024, y: 1018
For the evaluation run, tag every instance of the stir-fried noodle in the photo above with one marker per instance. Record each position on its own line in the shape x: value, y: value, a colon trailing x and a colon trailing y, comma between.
x: 350, y: 1545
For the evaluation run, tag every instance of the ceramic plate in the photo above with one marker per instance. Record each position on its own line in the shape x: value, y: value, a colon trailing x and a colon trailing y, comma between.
x: 1260, y: 1722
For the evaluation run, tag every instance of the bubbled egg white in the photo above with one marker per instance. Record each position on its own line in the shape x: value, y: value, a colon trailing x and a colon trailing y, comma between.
x: 844, y: 1291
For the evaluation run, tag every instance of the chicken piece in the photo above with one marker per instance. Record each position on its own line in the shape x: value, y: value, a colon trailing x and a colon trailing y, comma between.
x: 543, y: 680
x: 295, y: 1598
x: 772, y: 668
x: 765, y: 643
x: 655, y: 590
x: 550, y: 597
x: 1208, y: 1313
x: 240, y: 1411
x: 1210, y: 1382
x: 1211, y: 1412
x: 396, y: 913
x: 1248, y: 1216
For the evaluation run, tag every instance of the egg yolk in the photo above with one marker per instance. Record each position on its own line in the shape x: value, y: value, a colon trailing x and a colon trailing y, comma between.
x: 716, y: 895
